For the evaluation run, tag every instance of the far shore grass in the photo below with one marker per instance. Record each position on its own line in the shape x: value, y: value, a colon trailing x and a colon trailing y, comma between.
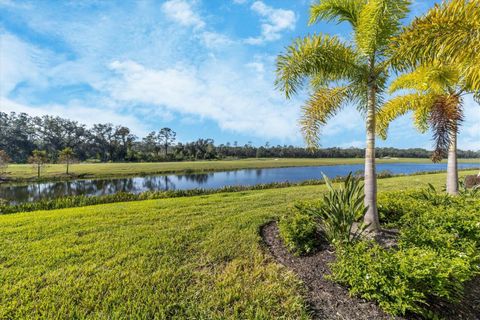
x: 26, y: 172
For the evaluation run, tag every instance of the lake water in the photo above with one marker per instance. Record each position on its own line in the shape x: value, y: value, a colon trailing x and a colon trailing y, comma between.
x: 48, y: 190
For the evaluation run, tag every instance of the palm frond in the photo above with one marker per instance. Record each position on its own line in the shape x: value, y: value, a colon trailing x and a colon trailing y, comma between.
x: 321, y: 55
x: 434, y: 78
x: 449, y: 32
x: 400, y: 105
x: 378, y: 22
x: 340, y: 10
x: 445, y: 118
x: 322, y: 105
x: 471, y: 75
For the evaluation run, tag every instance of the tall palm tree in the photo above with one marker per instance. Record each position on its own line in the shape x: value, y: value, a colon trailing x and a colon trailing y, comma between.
x: 435, y: 97
x: 340, y: 72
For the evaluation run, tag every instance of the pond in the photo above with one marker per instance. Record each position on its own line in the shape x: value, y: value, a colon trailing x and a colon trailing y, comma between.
x: 48, y: 190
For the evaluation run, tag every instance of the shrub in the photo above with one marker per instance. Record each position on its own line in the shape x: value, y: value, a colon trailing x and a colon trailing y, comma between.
x: 342, y: 208
x: 400, y: 280
x: 437, y: 252
x: 395, y: 204
x: 434, y: 197
x: 298, y: 232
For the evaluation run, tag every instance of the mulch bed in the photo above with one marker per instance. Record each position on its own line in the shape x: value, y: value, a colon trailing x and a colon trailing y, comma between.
x: 328, y: 300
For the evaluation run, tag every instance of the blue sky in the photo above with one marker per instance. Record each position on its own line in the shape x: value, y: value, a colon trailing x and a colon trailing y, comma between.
x: 202, y: 67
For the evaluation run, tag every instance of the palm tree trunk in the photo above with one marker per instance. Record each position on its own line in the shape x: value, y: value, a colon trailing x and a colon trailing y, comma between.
x: 452, y: 167
x: 371, y: 217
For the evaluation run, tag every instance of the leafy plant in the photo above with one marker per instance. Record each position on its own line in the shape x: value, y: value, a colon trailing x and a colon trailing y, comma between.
x: 434, y: 197
x: 473, y: 192
x: 298, y: 232
x: 342, y: 211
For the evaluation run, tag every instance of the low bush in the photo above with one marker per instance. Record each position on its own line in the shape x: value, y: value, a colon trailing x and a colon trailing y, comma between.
x: 299, y: 232
x: 437, y: 252
x: 400, y: 281
x: 341, y: 211
x: 392, y: 206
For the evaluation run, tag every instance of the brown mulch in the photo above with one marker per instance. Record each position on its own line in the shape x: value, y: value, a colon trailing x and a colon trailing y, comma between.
x: 328, y: 300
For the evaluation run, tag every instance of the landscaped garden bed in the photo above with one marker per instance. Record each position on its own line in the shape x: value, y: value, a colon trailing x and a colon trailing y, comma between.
x: 423, y: 264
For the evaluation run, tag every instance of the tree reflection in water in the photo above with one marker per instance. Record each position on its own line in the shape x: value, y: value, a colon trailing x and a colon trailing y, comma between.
x: 49, y: 190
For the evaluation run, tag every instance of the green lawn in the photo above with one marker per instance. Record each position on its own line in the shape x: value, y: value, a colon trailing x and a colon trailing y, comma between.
x: 102, y: 170
x: 198, y: 257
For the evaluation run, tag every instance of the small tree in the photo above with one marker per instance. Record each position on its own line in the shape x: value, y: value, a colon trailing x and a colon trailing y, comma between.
x: 4, y: 161
x: 67, y: 156
x: 166, y: 136
x: 38, y: 159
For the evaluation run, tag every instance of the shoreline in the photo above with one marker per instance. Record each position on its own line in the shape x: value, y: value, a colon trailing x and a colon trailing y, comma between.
x: 23, y: 173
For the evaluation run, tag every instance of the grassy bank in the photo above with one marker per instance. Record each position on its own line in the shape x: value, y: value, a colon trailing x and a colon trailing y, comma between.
x: 194, y: 257
x: 25, y: 172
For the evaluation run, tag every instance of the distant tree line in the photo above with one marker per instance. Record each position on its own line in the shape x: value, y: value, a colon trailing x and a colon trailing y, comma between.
x: 63, y: 140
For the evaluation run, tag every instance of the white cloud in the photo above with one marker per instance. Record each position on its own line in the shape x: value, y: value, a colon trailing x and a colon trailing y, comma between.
x: 347, y: 120
x: 16, y: 63
x: 258, y: 67
x: 274, y: 22
x: 469, y: 136
x: 215, y: 40
x: 216, y: 91
x: 182, y: 12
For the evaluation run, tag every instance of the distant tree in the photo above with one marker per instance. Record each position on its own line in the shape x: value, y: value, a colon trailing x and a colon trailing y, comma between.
x: 4, y: 161
x: 17, y: 135
x: 166, y: 137
x: 103, y: 138
x: 67, y: 157
x: 150, y: 143
x: 39, y: 159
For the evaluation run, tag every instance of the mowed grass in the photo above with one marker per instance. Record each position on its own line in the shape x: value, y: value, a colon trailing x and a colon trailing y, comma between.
x: 198, y: 257
x: 104, y: 170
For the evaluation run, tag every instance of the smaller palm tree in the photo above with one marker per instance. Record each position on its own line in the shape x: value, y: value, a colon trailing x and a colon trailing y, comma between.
x: 435, y: 97
x: 449, y: 32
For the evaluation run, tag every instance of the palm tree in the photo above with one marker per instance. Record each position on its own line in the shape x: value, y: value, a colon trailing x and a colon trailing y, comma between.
x: 340, y: 72
x: 435, y: 98
x: 449, y: 32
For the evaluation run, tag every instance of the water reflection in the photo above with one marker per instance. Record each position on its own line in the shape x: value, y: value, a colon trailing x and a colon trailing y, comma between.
x: 36, y: 191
